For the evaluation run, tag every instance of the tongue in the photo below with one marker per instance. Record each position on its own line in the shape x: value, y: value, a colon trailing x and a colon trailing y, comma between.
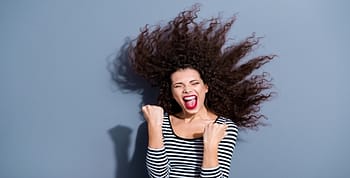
x: 191, y: 104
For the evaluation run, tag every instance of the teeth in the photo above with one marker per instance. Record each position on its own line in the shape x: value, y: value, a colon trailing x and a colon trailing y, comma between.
x: 189, y: 98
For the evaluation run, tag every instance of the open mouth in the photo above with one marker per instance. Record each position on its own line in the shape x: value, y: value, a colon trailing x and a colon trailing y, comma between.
x: 190, y: 101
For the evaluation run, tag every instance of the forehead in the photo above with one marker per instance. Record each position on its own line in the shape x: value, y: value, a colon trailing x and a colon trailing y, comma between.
x: 187, y: 74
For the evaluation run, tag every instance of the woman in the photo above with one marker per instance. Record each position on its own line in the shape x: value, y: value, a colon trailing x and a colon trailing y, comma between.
x: 206, y: 93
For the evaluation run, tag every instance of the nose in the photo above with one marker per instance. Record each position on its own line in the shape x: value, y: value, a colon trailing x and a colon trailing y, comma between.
x: 187, y: 89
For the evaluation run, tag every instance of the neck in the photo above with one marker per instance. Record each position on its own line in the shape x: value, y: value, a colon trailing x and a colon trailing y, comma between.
x: 202, y: 114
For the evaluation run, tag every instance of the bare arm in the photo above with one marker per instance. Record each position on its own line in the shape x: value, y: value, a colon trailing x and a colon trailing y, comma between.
x: 156, y: 158
x: 212, y: 136
x: 154, y: 117
x: 216, y: 162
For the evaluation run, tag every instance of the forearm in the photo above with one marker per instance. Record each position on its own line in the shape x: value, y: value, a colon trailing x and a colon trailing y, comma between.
x: 217, y: 159
x: 154, y: 116
x: 210, y: 156
x: 156, y: 159
x: 157, y: 163
x: 155, y: 136
x: 210, y: 166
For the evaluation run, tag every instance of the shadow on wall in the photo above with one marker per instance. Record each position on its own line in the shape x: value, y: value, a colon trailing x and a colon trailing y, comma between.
x: 128, y: 82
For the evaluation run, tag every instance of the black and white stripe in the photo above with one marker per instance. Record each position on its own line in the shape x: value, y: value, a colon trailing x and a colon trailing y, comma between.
x: 183, y: 157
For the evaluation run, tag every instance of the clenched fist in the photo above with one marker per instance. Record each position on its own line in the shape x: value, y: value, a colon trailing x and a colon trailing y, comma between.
x: 213, y: 134
x: 153, y: 114
x: 154, y: 117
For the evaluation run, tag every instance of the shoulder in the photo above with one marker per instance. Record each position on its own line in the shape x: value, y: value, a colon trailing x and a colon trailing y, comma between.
x: 229, y: 141
x: 232, y: 127
x: 224, y: 120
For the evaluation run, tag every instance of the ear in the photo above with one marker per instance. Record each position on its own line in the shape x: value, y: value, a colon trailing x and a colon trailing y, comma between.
x: 206, y: 88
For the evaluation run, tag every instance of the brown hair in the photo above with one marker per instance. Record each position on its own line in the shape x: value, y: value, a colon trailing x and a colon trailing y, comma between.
x: 234, y: 91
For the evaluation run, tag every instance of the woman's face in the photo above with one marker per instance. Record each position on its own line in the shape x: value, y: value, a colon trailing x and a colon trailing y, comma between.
x: 188, y: 89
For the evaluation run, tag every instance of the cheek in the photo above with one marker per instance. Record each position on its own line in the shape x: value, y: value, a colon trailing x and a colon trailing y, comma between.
x: 175, y: 93
x: 203, y: 89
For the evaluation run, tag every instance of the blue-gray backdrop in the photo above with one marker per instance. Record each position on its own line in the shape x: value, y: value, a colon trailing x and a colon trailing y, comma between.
x: 61, y: 115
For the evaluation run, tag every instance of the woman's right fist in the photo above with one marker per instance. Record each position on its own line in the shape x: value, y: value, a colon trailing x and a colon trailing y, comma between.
x: 153, y: 114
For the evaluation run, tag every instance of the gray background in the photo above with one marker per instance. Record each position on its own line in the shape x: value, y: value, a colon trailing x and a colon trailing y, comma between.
x: 61, y: 115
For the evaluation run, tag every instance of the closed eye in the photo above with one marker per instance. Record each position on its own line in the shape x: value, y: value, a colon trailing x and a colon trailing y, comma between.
x: 177, y: 86
x: 195, y: 83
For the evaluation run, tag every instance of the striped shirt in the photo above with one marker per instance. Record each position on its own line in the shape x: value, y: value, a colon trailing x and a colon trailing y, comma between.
x: 182, y: 157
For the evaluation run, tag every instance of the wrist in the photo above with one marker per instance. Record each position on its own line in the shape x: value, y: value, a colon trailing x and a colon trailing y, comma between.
x: 155, y: 137
x: 154, y: 127
x: 211, y: 147
x: 210, y: 157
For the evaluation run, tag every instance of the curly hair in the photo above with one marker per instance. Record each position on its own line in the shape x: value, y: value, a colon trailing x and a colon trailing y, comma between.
x: 234, y: 91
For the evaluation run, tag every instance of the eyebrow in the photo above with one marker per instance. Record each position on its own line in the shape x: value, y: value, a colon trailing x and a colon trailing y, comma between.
x: 194, y: 80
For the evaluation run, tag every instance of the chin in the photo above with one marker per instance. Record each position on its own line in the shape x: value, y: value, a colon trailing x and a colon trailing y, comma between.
x: 191, y: 111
